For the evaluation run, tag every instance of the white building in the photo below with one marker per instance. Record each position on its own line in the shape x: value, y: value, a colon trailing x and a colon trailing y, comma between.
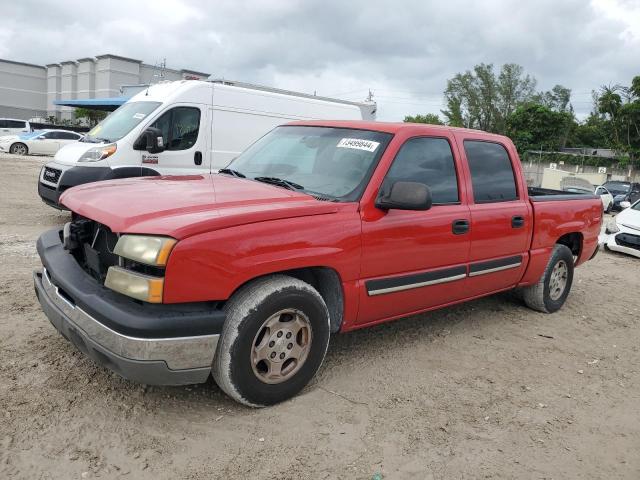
x: 28, y: 91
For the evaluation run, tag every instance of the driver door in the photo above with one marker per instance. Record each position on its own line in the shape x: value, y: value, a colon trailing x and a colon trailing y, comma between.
x: 415, y: 260
x: 44, y: 144
x: 185, y: 140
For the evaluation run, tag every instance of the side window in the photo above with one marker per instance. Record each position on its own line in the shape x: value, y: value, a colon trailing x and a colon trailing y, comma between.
x: 179, y: 127
x: 67, y: 136
x: 492, y: 175
x: 429, y: 161
x: 3, y: 124
x: 16, y: 124
x: 49, y: 135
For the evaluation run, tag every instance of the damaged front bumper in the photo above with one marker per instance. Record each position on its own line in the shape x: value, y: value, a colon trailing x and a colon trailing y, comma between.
x: 151, y: 344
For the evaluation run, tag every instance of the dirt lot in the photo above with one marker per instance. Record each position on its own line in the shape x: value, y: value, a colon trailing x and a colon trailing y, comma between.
x: 488, y: 389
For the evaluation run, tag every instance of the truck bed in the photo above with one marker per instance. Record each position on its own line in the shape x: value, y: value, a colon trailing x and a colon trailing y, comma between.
x: 538, y: 194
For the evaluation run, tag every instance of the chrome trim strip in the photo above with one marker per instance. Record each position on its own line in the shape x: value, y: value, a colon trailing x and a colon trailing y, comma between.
x: 416, y: 285
x: 496, y: 269
x: 178, y: 353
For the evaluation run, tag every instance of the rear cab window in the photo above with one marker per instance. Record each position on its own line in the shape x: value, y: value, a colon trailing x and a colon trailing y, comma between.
x: 492, y: 177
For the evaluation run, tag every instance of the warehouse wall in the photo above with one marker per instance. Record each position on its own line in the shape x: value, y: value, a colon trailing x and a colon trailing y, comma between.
x: 22, y: 90
x: 28, y: 91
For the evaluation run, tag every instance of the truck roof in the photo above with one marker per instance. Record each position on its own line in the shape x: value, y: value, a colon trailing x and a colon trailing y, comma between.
x: 389, y: 127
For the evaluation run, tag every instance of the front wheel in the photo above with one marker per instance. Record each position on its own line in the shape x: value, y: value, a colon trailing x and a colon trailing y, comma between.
x: 19, y: 149
x: 273, y: 341
x: 551, y: 291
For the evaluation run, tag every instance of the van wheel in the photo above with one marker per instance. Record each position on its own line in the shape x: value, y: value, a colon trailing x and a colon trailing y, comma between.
x: 19, y: 149
x: 273, y: 341
x: 551, y: 291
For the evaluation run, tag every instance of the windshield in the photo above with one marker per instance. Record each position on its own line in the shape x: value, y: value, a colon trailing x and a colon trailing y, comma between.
x: 331, y: 162
x: 27, y: 136
x: 636, y: 206
x: 618, y: 187
x: 120, y: 122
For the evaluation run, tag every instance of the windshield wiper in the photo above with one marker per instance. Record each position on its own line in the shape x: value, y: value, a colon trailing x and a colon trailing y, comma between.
x: 280, y: 182
x: 233, y: 173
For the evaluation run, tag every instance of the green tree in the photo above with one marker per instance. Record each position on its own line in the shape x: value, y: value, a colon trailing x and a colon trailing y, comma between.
x: 481, y: 99
x: 431, y: 118
x: 90, y: 115
x: 535, y: 126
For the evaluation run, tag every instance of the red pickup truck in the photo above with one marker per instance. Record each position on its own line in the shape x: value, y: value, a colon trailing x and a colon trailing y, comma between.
x: 319, y: 227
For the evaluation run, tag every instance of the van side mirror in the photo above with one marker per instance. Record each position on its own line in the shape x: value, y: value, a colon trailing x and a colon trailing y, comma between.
x: 404, y: 196
x: 624, y: 205
x: 151, y: 140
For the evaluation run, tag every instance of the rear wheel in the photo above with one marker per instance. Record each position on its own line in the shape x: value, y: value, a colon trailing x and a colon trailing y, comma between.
x: 274, y: 340
x: 551, y: 291
x: 19, y: 149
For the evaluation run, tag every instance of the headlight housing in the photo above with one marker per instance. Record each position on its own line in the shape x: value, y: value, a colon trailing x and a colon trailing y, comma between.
x: 96, y: 154
x: 136, y: 285
x: 150, y: 250
x: 140, y: 250
x: 612, y: 227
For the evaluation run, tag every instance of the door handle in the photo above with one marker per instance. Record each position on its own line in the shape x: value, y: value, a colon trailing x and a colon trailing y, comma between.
x: 458, y: 227
x: 197, y: 158
x: 517, y: 222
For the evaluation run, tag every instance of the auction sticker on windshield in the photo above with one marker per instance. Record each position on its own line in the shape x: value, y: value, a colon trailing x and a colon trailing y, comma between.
x: 358, y: 144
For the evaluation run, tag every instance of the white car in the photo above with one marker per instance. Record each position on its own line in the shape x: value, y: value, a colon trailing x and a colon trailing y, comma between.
x: 43, y: 142
x: 602, y: 192
x: 606, y: 197
x: 12, y: 126
x: 623, y: 232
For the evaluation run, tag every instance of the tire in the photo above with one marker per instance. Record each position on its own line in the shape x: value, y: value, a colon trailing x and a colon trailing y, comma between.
x: 245, y: 337
x: 540, y: 296
x: 19, y: 149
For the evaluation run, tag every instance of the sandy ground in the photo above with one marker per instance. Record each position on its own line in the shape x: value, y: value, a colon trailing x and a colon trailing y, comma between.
x: 488, y: 389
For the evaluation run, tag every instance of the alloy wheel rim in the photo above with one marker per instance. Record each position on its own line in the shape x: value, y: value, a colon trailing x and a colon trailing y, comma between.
x: 20, y: 150
x: 281, y: 346
x: 558, y: 280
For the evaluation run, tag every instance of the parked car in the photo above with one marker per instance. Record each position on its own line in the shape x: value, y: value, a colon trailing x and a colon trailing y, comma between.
x: 606, y: 197
x: 623, y: 192
x: 42, y: 142
x: 624, y: 230
x: 184, y: 127
x: 12, y: 126
x: 602, y: 192
x: 319, y: 227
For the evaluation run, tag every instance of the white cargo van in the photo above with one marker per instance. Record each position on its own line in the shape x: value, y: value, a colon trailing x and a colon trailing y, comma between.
x: 184, y: 127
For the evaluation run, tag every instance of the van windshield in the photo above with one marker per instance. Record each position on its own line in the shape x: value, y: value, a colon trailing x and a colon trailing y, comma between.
x: 334, y: 163
x: 120, y: 122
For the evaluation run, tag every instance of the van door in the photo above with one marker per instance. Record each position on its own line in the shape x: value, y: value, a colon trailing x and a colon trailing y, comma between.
x: 500, y: 217
x: 414, y: 260
x: 184, y: 133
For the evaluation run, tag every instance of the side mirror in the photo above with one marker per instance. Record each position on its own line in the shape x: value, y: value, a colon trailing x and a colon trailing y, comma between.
x: 624, y: 205
x: 151, y: 140
x: 404, y: 196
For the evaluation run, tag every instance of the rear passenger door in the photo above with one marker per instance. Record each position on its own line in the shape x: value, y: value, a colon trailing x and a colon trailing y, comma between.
x: 500, y: 217
x: 414, y: 260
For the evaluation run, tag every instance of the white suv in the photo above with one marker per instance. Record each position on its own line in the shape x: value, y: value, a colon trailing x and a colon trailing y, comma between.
x: 11, y: 126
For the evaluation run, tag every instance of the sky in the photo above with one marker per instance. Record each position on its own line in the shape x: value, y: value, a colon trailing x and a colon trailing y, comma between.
x: 403, y: 51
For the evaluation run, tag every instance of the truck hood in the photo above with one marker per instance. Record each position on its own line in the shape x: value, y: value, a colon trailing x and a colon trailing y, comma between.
x: 181, y: 206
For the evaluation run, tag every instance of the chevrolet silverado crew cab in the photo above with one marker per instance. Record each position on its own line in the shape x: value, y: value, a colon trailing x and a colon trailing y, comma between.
x: 317, y: 228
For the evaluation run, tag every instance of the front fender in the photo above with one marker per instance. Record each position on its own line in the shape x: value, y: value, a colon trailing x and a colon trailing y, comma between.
x: 212, y: 265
